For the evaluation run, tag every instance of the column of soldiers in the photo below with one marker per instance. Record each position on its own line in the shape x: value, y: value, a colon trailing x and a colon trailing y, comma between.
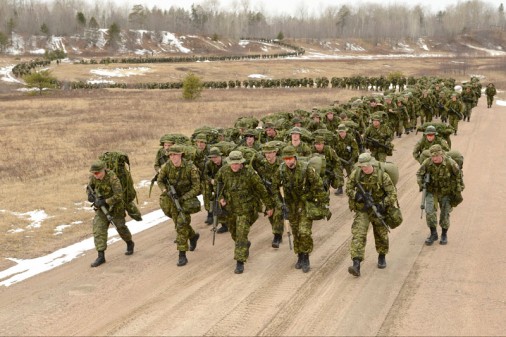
x: 243, y: 170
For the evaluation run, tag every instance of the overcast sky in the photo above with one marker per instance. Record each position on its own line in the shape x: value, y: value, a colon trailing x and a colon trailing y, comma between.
x: 293, y: 6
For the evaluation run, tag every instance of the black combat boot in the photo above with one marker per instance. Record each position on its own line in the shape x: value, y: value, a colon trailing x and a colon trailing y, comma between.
x: 298, y: 265
x: 222, y: 229
x: 209, y: 219
x: 182, y: 259
x: 130, y: 247
x: 355, y: 269
x: 100, y: 259
x: 382, y: 262
x: 276, y: 241
x: 339, y: 191
x: 444, y: 237
x: 247, y: 251
x: 432, y: 237
x: 239, y: 267
x: 193, y: 242
x: 305, y: 262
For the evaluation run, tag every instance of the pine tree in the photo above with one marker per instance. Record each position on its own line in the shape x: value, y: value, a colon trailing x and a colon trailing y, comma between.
x: 192, y: 86
x: 40, y: 80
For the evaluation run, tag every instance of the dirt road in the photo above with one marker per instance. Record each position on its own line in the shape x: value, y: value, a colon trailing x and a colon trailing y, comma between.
x: 458, y: 289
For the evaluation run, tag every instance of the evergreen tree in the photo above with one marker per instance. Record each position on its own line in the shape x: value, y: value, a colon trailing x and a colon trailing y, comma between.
x: 40, y: 80
x: 192, y: 86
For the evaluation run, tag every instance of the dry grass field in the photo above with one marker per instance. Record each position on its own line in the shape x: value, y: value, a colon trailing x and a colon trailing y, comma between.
x: 49, y: 141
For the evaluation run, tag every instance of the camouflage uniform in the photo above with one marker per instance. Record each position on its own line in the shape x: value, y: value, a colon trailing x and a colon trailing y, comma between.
x: 334, y: 169
x: 490, y: 92
x: 347, y: 149
x: 240, y: 191
x: 424, y: 144
x: 470, y: 100
x: 445, y: 181
x: 455, y: 109
x: 300, y: 184
x: 384, y: 195
x: 383, y: 135
x: 186, y: 181
x: 110, y: 189
x: 427, y: 102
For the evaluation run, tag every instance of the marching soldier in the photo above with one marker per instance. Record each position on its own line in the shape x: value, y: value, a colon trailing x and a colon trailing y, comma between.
x: 346, y: 148
x: 106, y: 194
x: 455, y: 109
x: 430, y: 137
x: 378, y: 139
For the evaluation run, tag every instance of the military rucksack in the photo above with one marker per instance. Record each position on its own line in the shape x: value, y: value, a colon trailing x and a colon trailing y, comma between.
x: 119, y: 163
x: 212, y: 134
x: 248, y: 122
x: 225, y: 147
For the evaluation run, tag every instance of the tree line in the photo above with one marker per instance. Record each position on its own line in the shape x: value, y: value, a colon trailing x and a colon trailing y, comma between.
x: 371, y: 22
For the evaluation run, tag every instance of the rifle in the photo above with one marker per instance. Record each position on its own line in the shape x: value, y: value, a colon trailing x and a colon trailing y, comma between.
x: 267, y: 184
x: 284, y: 210
x: 216, y: 210
x: 153, y: 180
x: 459, y: 115
x: 102, y: 208
x: 171, y: 192
x: 377, y: 143
x: 369, y: 203
x: 426, y: 180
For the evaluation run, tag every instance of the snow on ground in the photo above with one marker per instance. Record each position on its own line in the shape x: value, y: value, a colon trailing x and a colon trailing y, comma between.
x: 38, y: 51
x: 18, y: 45
x: 56, y: 42
x: 120, y: 72
x: 258, y: 76
x: 30, y: 267
x: 7, y: 76
x: 500, y: 102
x: 243, y: 43
x: 35, y: 217
x: 421, y: 44
x: 143, y: 183
x: 353, y: 47
x: 171, y: 40
x: 491, y: 52
x: 403, y: 47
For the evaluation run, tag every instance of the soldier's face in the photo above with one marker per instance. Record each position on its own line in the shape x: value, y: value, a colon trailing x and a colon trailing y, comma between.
x: 216, y: 160
x: 437, y: 159
x: 270, y: 132
x: 175, y: 158
x: 295, y: 136
x: 290, y: 162
x: 166, y: 146
x: 250, y: 140
x: 330, y: 116
x: 201, y: 145
x: 99, y: 175
x: 376, y: 123
x: 270, y: 156
x: 319, y: 147
x: 342, y: 134
x: 430, y: 137
x: 235, y: 167
x: 367, y: 169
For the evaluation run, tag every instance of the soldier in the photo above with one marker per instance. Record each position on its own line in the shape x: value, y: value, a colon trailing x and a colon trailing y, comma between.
x: 241, y: 186
x: 161, y: 156
x: 377, y: 185
x: 301, y: 184
x: 267, y: 168
x: 427, y: 102
x: 455, y: 109
x: 346, y: 148
x: 211, y: 168
x: 316, y: 122
x: 331, y: 120
x: 443, y: 190
x: 490, y: 92
x: 429, y: 138
x: 106, y: 194
x: 378, y: 139
x: 183, y: 177
x: 200, y: 161
x: 251, y: 137
x: 470, y: 100
x: 302, y: 148
x: 334, y: 169
x: 271, y: 133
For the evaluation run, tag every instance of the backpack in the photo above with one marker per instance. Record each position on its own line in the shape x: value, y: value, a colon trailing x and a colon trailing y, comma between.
x: 119, y: 163
x: 248, y: 122
x: 225, y: 147
x: 211, y: 134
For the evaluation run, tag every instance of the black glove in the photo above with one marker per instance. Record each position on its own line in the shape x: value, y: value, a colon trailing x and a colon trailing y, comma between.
x: 100, y: 202
x: 284, y: 210
x: 359, y: 197
x: 91, y: 198
x: 381, y: 209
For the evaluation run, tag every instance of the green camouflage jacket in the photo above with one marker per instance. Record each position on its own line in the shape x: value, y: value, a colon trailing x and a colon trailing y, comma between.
x: 109, y: 188
x: 185, y: 179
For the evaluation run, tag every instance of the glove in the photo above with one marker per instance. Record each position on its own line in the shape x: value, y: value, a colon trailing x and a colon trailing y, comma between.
x: 359, y: 197
x: 91, y: 198
x: 381, y: 209
x: 284, y: 210
x: 100, y: 202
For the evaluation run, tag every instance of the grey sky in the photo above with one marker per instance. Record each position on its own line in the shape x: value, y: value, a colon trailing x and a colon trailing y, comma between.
x: 292, y: 7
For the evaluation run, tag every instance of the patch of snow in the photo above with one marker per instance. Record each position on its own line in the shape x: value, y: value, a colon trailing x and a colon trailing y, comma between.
x: 120, y: 72
x: 421, y: 44
x: 17, y: 46
x: 7, y: 76
x: 38, y: 51
x: 403, y: 47
x: 59, y: 229
x: 265, y: 49
x: 491, y: 52
x: 258, y: 76
x: 143, y: 183
x: 143, y: 52
x: 56, y: 42
x: 353, y: 47
x: 35, y: 217
x: 16, y: 230
x: 171, y: 40
x: 100, y: 81
x: 30, y: 89
x: 243, y: 43
x: 500, y: 102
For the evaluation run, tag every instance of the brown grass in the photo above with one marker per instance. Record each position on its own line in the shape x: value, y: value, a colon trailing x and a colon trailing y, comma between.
x: 49, y: 141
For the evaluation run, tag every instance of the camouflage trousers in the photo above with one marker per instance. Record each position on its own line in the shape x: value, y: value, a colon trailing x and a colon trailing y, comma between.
x: 100, y: 227
x: 490, y: 100
x: 432, y: 203
x: 276, y: 221
x: 133, y: 211
x: 182, y: 222
x: 301, y: 228
x: 239, y: 226
x: 468, y: 110
x: 359, y: 230
x: 454, y: 122
x: 378, y: 154
x: 206, y: 195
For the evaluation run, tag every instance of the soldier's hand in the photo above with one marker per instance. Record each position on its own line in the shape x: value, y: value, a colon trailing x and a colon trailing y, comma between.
x: 359, y: 197
x: 223, y: 203
x: 269, y: 212
x: 381, y: 209
x: 91, y: 198
x: 100, y: 202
